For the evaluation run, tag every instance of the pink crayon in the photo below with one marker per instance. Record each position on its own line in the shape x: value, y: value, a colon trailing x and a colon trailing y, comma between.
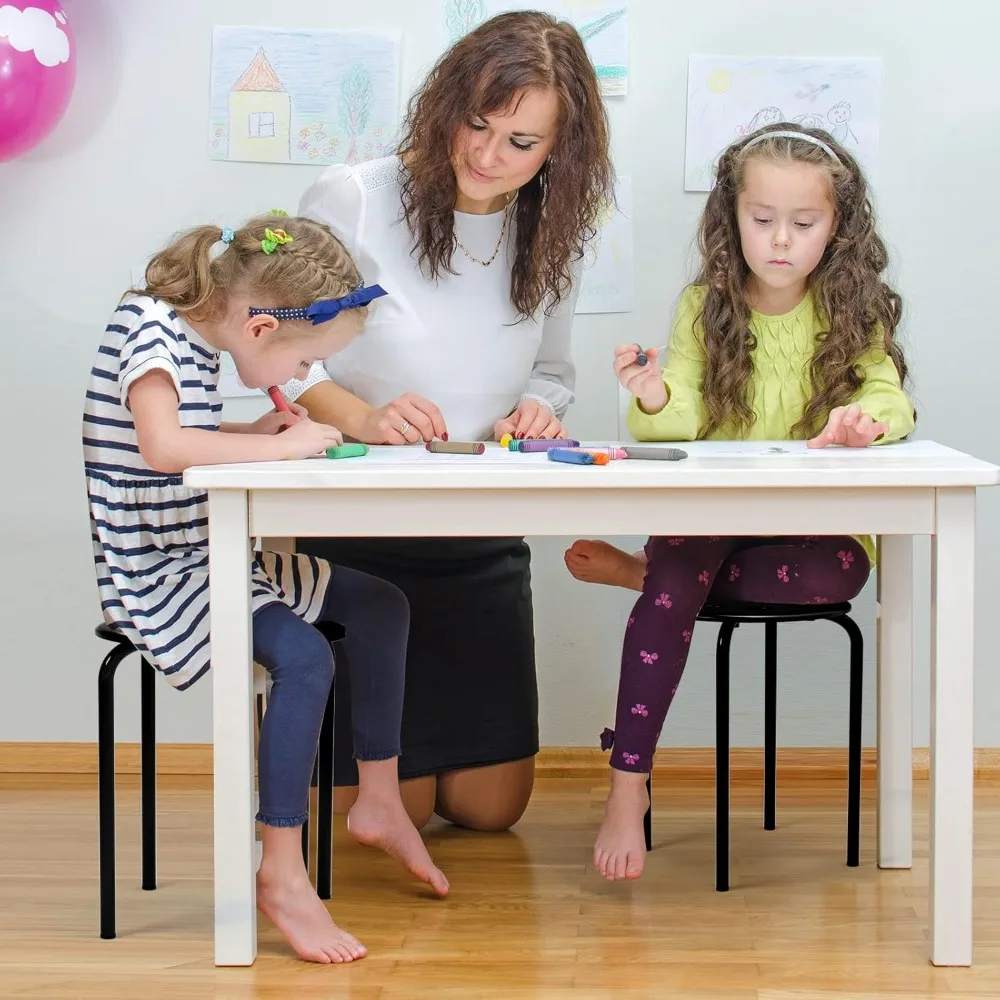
x: 606, y: 449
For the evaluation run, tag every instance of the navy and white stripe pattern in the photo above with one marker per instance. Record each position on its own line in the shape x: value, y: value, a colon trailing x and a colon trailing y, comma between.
x: 150, y: 532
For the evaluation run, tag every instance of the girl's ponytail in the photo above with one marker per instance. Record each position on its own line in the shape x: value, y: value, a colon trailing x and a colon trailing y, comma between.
x: 181, y: 273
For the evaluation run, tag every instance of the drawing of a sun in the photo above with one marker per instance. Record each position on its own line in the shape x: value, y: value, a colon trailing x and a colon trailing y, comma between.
x: 719, y: 81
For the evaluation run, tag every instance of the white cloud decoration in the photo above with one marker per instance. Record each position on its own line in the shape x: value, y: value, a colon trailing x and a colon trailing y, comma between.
x: 35, y: 30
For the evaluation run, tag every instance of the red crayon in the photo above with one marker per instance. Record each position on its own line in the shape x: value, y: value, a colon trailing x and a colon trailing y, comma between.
x: 279, y: 401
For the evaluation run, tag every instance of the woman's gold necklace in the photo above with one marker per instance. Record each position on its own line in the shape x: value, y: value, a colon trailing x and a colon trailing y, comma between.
x: 496, y: 250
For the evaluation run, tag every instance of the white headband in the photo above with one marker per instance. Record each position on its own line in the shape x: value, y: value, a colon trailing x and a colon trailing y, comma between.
x: 803, y: 136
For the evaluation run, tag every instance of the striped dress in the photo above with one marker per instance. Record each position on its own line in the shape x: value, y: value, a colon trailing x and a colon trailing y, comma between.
x: 150, y: 532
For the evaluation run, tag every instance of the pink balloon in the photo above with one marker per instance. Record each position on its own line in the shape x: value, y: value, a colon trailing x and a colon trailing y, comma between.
x: 37, y: 72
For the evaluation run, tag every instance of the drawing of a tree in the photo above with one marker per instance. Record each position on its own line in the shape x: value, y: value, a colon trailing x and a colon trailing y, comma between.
x: 356, y: 94
x: 461, y: 16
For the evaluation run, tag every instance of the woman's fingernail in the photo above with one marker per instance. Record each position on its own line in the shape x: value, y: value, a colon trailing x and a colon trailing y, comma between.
x: 444, y: 437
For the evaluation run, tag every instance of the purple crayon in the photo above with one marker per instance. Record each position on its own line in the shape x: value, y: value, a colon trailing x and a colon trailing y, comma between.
x: 542, y: 445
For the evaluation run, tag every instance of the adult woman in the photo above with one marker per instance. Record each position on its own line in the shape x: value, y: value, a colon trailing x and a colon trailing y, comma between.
x: 475, y: 230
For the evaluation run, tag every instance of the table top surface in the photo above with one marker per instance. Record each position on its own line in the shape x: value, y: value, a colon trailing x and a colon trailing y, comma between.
x: 709, y: 465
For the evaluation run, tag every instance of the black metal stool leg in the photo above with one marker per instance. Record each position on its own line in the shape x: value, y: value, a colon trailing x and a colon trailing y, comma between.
x: 770, y: 720
x: 850, y: 626
x: 106, y: 784
x: 305, y: 841
x: 148, y: 753
x: 324, y: 808
x: 722, y: 756
x: 647, y: 820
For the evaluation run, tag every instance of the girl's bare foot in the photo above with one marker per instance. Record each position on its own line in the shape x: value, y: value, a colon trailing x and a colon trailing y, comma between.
x: 599, y: 562
x: 620, y: 849
x: 286, y: 896
x: 380, y: 820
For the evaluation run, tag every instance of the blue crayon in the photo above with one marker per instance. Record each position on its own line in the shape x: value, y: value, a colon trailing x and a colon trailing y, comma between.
x: 570, y: 457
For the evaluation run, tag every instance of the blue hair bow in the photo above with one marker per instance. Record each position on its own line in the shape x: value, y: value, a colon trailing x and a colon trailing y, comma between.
x: 326, y: 309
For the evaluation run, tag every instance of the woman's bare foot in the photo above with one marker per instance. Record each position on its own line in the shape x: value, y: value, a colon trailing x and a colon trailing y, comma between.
x: 286, y: 896
x: 620, y: 849
x: 598, y: 562
x: 380, y: 820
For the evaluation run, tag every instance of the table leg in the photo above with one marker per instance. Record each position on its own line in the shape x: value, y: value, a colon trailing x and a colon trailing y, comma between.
x: 895, y: 702
x: 232, y: 707
x: 951, y: 764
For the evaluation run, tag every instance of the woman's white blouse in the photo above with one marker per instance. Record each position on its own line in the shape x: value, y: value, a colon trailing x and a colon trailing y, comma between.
x: 454, y: 341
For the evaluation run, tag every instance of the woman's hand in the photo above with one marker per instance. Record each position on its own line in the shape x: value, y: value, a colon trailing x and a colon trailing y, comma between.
x: 405, y: 420
x: 851, y: 427
x: 530, y: 420
x: 274, y: 422
x: 645, y: 382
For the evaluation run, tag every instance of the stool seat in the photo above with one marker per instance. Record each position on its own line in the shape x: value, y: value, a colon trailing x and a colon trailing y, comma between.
x: 756, y: 613
x: 110, y: 634
x: 331, y: 631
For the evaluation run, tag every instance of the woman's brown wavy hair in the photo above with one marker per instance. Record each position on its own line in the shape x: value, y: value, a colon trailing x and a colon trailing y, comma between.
x: 556, y: 211
x: 860, y: 310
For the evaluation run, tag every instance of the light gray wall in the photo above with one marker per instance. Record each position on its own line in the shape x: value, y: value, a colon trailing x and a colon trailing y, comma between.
x: 129, y: 166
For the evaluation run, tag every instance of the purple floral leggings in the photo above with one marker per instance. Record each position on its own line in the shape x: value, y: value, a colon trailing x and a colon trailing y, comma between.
x: 682, y: 574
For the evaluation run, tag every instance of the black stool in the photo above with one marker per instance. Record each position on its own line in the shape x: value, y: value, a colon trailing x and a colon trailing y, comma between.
x: 730, y: 617
x: 333, y: 633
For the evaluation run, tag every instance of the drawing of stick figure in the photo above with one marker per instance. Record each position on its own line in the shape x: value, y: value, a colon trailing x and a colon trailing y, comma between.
x: 770, y: 115
x: 839, y: 116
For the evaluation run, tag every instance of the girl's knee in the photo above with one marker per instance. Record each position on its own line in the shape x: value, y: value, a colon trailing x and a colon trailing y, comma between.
x: 314, y: 662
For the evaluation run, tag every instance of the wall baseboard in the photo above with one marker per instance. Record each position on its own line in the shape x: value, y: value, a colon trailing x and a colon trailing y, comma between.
x: 675, y: 763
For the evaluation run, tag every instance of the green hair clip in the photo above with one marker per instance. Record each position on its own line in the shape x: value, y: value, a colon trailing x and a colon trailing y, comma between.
x: 278, y: 211
x: 274, y: 238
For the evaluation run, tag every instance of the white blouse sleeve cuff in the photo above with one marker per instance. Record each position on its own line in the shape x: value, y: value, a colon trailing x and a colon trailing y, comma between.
x: 292, y: 390
x: 555, y: 396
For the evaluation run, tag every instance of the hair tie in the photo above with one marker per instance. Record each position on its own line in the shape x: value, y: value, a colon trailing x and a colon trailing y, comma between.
x: 228, y: 235
x: 274, y: 238
x: 788, y: 134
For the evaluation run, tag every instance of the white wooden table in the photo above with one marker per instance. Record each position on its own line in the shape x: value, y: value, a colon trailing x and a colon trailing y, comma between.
x: 895, y: 492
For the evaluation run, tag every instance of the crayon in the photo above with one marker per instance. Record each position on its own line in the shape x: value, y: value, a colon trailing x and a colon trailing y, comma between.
x: 457, y: 447
x: 571, y: 457
x: 279, y: 401
x: 608, y: 450
x: 656, y: 454
x: 543, y: 445
x: 641, y: 359
x: 505, y: 440
x: 347, y: 451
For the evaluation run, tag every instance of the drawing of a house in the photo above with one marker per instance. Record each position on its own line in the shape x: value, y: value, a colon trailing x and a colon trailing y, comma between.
x: 260, y: 115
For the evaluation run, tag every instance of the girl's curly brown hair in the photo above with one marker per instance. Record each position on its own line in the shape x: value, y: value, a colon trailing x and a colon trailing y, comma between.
x: 859, y: 308
x: 556, y: 211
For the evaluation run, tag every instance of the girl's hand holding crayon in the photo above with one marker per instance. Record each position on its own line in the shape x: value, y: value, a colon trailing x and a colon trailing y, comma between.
x: 644, y: 381
x: 306, y: 438
x: 850, y: 427
x: 530, y: 421
x: 274, y: 421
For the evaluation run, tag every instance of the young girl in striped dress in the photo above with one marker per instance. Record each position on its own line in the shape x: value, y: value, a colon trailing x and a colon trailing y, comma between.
x: 277, y: 299
x: 787, y: 333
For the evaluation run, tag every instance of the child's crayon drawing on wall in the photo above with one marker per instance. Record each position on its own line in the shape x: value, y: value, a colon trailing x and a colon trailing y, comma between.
x: 732, y: 96
x: 286, y: 96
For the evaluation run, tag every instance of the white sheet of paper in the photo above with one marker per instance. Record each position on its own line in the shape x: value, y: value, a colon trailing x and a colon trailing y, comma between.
x: 603, y: 24
x: 608, y: 282
x: 730, y: 97
x: 302, y: 96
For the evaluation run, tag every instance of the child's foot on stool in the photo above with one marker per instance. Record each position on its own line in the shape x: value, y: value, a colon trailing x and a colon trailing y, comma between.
x: 382, y: 822
x: 620, y: 849
x: 296, y: 910
x: 598, y: 562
